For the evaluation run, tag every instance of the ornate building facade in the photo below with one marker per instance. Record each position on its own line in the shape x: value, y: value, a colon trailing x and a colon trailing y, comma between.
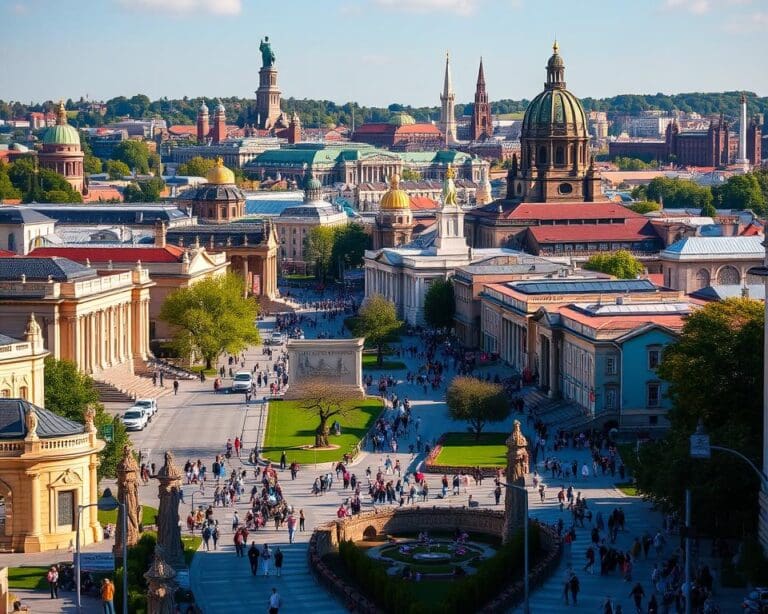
x: 61, y: 151
x: 220, y: 200
x: 481, y: 125
x: 394, y: 220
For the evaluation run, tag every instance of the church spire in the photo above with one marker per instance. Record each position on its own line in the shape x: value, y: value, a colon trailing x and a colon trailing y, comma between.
x: 447, y: 122
x: 481, y: 75
x: 481, y: 112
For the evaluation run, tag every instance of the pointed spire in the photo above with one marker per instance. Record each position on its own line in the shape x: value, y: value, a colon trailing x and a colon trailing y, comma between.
x: 448, y: 85
x: 481, y: 74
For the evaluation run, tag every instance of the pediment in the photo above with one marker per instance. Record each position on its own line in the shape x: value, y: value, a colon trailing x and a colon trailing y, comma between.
x: 67, y: 477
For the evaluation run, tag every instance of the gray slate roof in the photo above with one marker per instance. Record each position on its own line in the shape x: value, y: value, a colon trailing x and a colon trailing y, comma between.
x: 6, y: 340
x: 39, y: 269
x: 21, y: 215
x: 720, y: 246
x: 13, y: 423
x: 223, y: 235
x: 583, y: 286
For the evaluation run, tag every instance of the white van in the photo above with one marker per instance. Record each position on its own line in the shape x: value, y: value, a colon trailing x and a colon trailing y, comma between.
x: 242, y: 381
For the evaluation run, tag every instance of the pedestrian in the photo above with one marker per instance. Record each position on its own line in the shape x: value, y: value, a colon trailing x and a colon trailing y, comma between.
x: 301, y: 520
x: 239, y: 543
x: 637, y: 593
x: 266, y: 555
x: 283, y: 460
x: 291, y: 522
x: 235, y: 521
x: 162, y: 380
x: 108, y: 596
x: 53, y: 581
x: 215, y: 535
x: 206, y: 536
x: 175, y: 387
x: 574, y: 586
x: 278, y: 561
x: 237, y: 445
x: 275, y: 602
x: 253, y: 558
x: 497, y: 493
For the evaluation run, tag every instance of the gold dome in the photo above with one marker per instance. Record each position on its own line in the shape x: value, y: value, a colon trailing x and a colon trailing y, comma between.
x: 220, y: 174
x: 395, y: 198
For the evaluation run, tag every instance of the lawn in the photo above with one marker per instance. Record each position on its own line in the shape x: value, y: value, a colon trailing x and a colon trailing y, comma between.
x: 628, y: 489
x: 191, y: 545
x: 369, y: 362
x: 289, y: 427
x: 148, y: 514
x: 463, y: 450
x: 29, y: 578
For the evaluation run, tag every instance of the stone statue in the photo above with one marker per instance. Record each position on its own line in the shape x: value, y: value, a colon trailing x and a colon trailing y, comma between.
x: 161, y: 584
x: 267, y: 55
x: 168, y: 529
x: 90, y: 416
x: 31, y: 423
x: 449, y: 188
x: 128, y: 494
x: 517, y: 468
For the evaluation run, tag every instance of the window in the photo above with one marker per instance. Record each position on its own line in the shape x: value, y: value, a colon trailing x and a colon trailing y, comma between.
x: 11, y: 242
x: 66, y: 508
x: 654, y: 358
x: 653, y: 420
x: 24, y: 392
x: 542, y: 155
x: 654, y: 394
x: 565, y: 188
x: 5, y: 393
x: 610, y: 365
x: 559, y: 156
x: 610, y: 398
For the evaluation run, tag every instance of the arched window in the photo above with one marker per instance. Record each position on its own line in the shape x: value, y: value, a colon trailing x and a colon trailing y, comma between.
x: 702, y: 279
x: 728, y: 275
x: 542, y: 155
x: 559, y: 156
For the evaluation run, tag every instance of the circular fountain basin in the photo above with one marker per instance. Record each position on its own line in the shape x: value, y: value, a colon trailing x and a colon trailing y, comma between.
x: 432, y: 556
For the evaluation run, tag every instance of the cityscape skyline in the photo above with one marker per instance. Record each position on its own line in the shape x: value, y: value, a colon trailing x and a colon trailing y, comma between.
x: 405, y: 42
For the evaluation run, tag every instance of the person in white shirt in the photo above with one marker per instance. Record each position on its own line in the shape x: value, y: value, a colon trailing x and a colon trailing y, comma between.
x: 274, y: 602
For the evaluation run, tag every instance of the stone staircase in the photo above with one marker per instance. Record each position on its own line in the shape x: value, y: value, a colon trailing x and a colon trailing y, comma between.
x: 120, y: 384
x: 557, y: 412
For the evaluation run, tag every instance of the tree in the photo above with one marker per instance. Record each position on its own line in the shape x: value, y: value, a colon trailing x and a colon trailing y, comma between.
x: 321, y: 398
x: 117, y: 169
x: 439, y: 304
x: 708, y: 210
x: 318, y: 249
x: 134, y: 153
x: 211, y: 317
x: 68, y: 393
x: 741, y: 192
x: 620, y: 264
x: 7, y: 189
x: 643, y: 207
x: 376, y: 321
x: 676, y: 193
x: 715, y: 375
x: 411, y: 175
x: 632, y: 164
x: 91, y: 164
x: 144, y: 191
x: 477, y: 402
x: 349, y: 245
x: 196, y: 167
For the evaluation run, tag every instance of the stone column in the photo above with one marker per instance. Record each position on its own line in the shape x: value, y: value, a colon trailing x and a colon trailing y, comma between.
x: 517, y: 468
x: 32, y: 539
x: 245, y: 276
x: 93, y: 494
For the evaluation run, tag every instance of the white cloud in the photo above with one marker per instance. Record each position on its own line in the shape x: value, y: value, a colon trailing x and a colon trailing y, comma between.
x: 697, y: 7
x: 181, y: 7
x: 457, y: 7
x: 752, y: 22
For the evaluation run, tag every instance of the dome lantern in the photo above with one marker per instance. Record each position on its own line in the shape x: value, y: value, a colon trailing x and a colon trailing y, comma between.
x: 394, y: 198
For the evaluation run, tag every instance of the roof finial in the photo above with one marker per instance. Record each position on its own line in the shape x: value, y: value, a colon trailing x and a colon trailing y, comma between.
x: 555, y: 46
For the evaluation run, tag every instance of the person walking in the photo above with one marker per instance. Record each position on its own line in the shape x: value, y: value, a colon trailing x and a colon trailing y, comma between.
x: 278, y: 561
x: 207, y: 536
x: 253, y: 558
x: 108, y: 596
x: 215, y: 535
x: 53, y: 581
x: 575, y: 587
x: 637, y: 593
x: 497, y: 493
x: 175, y: 387
x: 275, y: 602
x: 283, y: 460
x: 301, y: 521
x: 291, y: 522
x: 266, y: 555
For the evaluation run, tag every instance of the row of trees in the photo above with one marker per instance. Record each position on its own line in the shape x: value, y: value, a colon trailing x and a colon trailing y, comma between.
x: 21, y: 179
x: 317, y: 113
x: 335, y: 249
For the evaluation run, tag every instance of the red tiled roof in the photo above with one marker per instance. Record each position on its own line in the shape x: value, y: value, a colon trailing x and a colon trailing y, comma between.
x: 657, y: 279
x: 419, y: 129
x: 571, y: 211
x: 375, y: 128
x: 102, y: 193
x: 180, y: 129
x: 423, y: 203
x: 631, y: 230
x: 6, y: 254
x: 622, y: 322
x: 169, y: 253
x: 752, y: 230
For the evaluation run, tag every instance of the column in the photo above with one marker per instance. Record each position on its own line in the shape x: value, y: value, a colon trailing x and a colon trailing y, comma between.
x: 93, y: 493
x: 245, y: 275
x: 34, y: 525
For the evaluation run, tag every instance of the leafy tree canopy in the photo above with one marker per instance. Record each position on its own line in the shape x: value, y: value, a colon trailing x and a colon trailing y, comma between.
x: 135, y: 154
x: 477, y: 402
x: 439, y: 304
x: 318, y: 249
x: 633, y: 164
x: 644, y: 206
x: 620, y: 264
x: 211, y: 317
x: 376, y: 321
x: 196, y: 167
x: 144, y: 191
x: 117, y: 169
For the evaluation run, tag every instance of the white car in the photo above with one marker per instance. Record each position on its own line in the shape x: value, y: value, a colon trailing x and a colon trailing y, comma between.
x: 135, y: 419
x: 242, y: 381
x: 147, y: 404
x: 275, y: 338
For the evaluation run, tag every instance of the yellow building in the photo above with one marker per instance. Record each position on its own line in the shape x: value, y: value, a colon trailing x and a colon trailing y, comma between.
x: 21, y: 365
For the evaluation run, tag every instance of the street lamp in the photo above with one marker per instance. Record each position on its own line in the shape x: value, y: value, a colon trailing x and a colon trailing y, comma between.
x: 106, y: 503
x: 526, y: 592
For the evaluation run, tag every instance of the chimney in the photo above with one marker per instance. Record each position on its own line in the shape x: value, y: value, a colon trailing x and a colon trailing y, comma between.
x: 160, y: 233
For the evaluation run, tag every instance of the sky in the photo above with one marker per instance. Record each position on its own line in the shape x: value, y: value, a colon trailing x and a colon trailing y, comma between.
x: 378, y: 52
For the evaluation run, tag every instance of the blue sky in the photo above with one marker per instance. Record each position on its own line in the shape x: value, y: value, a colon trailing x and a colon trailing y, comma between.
x: 378, y: 51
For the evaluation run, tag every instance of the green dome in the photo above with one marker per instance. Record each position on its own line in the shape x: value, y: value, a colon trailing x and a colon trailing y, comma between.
x: 61, y: 135
x: 555, y: 111
x: 312, y: 183
x: 401, y: 118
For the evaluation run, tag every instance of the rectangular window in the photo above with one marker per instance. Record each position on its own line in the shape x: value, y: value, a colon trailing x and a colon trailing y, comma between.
x: 610, y: 365
x: 653, y: 420
x: 66, y: 508
x: 610, y: 398
x: 654, y: 394
x: 654, y: 358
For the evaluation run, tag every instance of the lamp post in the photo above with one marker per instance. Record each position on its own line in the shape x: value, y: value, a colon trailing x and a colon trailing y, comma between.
x: 526, y: 592
x: 107, y: 503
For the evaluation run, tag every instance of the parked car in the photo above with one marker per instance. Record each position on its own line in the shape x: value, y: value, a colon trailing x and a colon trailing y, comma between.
x: 148, y: 404
x: 242, y: 381
x: 135, y: 419
x: 275, y: 338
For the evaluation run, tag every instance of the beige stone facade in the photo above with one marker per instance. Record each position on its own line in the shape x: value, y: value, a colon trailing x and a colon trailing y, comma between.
x: 21, y: 365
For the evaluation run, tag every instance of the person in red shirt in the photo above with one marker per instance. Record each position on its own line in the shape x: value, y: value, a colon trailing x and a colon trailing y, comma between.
x: 237, y: 446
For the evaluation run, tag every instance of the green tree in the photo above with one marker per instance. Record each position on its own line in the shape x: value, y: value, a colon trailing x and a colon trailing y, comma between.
x: 643, y: 207
x: 91, y: 164
x: 741, y: 192
x: 196, y: 167
x: 439, y: 304
x: 318, y: 249
x: 713, y: 371
x: 68, y: 393
x: 144, y: 191
x: 708, y: 210
x: 7, y: 190
x: 376, y: 321
x: 620, y: 264
x: 117, y: 169
x: 677, y: 193
x: 477, y: 402
x: 349, y: 245
x: 135, y: 154
x: 411, y: 175
x: 211, y: 317
x: 324, y: 400
x: 632, y: 164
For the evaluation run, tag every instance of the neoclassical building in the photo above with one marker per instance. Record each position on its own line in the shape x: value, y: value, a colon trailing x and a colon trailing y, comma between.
x: 219, y: 200
x: 394, y: 220
x: 61, y: 151
x: 22, y: 363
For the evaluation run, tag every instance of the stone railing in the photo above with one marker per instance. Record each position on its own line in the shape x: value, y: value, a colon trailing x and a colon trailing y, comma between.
x: 52, y: 446
x: 65, y: 443
x: 11, y: 448
x: 326, y: 538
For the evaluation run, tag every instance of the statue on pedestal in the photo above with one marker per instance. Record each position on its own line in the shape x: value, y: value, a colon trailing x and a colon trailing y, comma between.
x: 267, y: 55
x: 168, y: 529
x: 128, y: 495
x: 517, y: 468
x: 160, y: 585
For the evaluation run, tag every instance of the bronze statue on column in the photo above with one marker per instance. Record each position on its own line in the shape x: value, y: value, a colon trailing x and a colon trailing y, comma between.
x: 128, y: 495
x: 517, y: 468
x: 168, y: 529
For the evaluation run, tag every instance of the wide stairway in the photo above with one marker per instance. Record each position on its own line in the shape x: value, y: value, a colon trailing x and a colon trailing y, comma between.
x: 119, y: 384
x: 558, y: 413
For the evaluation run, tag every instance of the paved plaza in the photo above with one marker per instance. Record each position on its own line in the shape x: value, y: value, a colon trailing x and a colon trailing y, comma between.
x: 196, y: 423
